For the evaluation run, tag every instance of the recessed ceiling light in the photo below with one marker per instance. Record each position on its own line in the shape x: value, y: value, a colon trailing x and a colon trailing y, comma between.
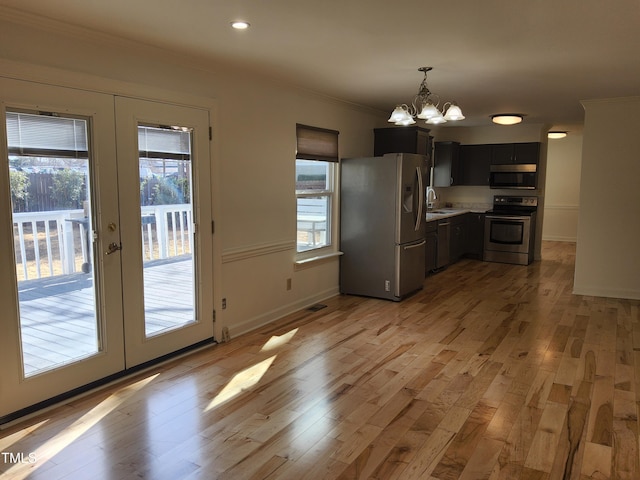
x: 556, y: 134
x: 506, y: 118
x: 240, y: 25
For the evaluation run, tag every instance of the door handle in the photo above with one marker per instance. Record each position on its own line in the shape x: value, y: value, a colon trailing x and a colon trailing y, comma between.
x: 420, y: 198
x: 417, y: 245
x: 113, y: 248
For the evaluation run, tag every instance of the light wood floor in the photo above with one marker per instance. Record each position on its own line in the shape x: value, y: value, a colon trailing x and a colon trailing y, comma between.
x: 491, y: 372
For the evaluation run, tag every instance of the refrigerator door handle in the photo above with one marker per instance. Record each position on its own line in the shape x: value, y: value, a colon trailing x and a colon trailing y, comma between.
x: 409, y: 247
x: 420, y: 198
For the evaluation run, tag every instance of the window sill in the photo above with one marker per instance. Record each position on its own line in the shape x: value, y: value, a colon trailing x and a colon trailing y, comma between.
x: 312, y: 261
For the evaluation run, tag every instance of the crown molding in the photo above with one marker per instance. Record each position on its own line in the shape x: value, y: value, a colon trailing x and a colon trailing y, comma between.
x: 70, y: 30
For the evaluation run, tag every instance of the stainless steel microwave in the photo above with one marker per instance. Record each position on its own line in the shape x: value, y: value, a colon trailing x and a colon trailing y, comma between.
x: 521, y: 176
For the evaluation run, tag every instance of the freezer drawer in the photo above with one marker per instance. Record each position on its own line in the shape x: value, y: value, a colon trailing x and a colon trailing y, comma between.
x: 410, y: 260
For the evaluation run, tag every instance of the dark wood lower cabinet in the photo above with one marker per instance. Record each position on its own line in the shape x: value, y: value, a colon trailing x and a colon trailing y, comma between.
x: 443, y: 252
x: 452, y: 238
x: 458, y: 240
x: 475, y: 225
x: 431, y: 247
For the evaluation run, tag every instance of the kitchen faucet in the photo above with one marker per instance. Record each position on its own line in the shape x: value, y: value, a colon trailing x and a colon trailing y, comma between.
x: 431, y: 197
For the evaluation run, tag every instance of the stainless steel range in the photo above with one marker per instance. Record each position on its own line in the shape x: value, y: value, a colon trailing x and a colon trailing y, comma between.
x: 509, y: 230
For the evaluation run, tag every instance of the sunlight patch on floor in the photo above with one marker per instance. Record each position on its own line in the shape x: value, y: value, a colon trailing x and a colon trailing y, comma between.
x: 241, y: 381
x: 6, y: 442
x: 73, y: 432
x: 278, y: 340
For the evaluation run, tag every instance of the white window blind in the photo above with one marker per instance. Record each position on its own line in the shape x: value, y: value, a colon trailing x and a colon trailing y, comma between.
x: 155, y: 141
x: 46, y: 135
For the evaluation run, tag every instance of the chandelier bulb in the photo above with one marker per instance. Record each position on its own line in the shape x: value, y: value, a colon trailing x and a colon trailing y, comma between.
x: 454, y: 113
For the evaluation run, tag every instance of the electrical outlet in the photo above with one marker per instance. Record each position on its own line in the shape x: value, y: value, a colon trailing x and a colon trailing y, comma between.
x: 387, y: 286
x: 288, y: 284
x: 224, y: 303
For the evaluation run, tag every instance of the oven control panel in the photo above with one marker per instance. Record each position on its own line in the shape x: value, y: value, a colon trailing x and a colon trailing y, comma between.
x: 515, y: 201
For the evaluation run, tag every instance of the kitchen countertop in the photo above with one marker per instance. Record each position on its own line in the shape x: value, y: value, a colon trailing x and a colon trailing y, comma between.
x: 440, y: 213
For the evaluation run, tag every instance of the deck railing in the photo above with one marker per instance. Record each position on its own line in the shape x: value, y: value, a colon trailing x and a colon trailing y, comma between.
x: 173, y: 231
x: 59, y: 242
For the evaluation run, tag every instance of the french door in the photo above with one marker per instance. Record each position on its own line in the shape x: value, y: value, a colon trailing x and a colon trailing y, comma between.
x: 103, y: 257
x: 163, y: 170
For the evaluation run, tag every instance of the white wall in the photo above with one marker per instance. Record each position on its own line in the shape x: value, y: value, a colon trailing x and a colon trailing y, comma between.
x: 608, y: 253
x: 253, y: 153
x: 562, y: 188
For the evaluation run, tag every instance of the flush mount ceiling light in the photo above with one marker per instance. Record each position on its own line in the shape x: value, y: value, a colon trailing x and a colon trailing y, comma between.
x: 240, y: 25
x: 556, y: 134
x: 425, y: 106
x: 506, y: 118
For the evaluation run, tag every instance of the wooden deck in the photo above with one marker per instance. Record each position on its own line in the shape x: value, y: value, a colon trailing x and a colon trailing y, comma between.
x: 58, y: 320
x: 493, y: 372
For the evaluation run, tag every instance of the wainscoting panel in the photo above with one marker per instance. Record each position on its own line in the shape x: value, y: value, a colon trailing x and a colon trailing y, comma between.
x: 560, y: 223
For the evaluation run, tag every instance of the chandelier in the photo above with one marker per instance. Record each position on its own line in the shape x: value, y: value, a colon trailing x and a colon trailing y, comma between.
x: 425, y: 106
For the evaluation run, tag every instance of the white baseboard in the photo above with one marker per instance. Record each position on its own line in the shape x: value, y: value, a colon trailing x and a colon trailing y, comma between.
x: 558, y: 238
x: 606, y: 292
x: 268, y: 317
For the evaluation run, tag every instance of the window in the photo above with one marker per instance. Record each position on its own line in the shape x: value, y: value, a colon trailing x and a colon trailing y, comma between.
x: 316, y: 164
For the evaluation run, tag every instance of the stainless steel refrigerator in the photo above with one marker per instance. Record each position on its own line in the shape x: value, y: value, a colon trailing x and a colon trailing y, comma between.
x: 382, y: 225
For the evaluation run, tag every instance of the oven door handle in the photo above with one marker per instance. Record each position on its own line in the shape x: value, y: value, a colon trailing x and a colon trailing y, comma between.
x: 506, y: 217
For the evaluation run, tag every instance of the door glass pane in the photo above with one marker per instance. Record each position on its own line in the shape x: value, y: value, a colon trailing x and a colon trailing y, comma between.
x: 167, y: 227
x: 49, y: 170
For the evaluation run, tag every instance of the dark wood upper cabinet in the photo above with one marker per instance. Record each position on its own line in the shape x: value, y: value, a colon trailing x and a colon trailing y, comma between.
x: 515, y: 153
x: 446, y: 168
x: 402, y: 140
x: 474, y: 164
x: 457, y: 164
